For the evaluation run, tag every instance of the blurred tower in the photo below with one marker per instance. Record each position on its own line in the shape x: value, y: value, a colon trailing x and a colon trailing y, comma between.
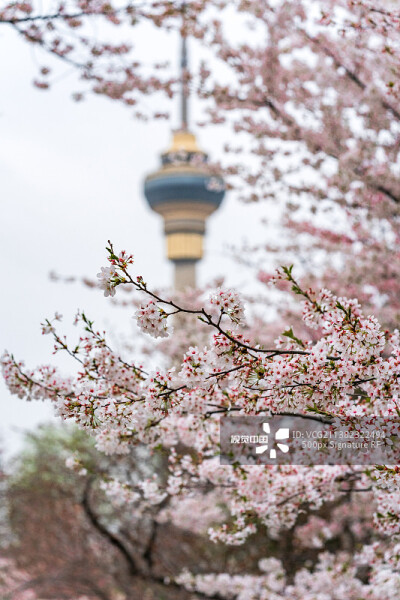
x: 184, y: 193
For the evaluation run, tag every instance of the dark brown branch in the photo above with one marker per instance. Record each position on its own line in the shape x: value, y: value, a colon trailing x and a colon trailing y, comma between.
x: 385, y: 13
x: 388, y: 193
x: 116, y: 543
x: 113, y: 539
x: 53, y: 17
x: 209, y: 321
x: 222, y: 409
x: 40, y: 42
x: 148, y: 552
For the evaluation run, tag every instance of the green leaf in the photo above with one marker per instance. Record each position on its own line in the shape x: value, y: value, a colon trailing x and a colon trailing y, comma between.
x: 288, y: 270
x: 289, y: 334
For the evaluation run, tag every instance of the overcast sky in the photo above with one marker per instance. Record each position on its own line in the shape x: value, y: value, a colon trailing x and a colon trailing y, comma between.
x: 71, y: 178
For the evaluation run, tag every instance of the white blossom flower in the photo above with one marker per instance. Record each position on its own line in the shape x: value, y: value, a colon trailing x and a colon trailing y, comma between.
x: 107, y: 280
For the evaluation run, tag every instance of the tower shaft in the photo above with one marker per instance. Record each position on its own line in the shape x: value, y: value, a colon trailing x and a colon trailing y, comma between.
x: 185, y: 274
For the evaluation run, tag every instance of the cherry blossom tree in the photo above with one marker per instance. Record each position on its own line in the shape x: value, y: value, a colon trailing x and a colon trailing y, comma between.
x: 312, y: 97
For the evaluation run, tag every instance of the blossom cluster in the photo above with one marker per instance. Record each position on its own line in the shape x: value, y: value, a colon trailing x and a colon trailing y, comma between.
x: 152, y: 319
x: 228, y: 302
x: 330, y: 579
x: 110, y: 277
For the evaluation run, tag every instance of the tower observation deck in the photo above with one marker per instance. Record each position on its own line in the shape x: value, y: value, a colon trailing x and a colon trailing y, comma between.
x: 184, y: 193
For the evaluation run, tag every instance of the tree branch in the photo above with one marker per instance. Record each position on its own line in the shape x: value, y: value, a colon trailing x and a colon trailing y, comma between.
x: 112, y: 539
x: 350, y: 74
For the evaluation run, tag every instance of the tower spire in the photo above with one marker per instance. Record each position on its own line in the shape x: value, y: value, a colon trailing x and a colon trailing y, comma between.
x: 184, y: 67
x: 184, y: 92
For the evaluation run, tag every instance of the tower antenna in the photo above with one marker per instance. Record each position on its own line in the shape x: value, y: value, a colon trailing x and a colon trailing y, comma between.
x: 184, y: 68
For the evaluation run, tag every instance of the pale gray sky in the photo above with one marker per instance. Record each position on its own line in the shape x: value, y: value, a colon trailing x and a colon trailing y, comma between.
x: 71, y: 178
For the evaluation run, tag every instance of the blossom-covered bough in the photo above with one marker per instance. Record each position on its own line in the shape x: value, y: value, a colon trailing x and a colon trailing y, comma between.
x: 352, y: 370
